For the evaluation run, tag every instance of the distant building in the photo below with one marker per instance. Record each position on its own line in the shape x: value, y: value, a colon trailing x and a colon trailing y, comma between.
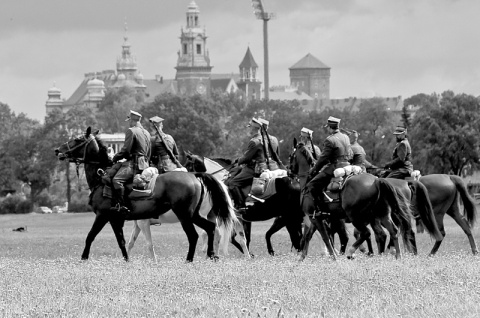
x: 311, y: 76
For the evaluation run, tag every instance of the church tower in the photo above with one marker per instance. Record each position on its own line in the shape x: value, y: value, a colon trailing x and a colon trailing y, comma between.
x: 311, y: 76
x: 54, y: 100
x: 248, y: 77
x: 193, y: 64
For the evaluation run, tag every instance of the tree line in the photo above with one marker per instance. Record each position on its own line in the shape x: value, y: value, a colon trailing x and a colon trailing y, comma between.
x: 443, y: 133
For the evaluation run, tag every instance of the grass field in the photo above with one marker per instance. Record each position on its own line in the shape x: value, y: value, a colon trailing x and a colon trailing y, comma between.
x: 41, y: 275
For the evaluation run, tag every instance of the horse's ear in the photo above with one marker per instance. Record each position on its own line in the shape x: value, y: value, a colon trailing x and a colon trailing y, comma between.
x: 96, y: 132
x: 88, y: 132
x: 295, y: 142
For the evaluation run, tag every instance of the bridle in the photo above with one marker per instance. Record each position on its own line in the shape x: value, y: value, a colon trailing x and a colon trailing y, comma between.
x: 79, y: 161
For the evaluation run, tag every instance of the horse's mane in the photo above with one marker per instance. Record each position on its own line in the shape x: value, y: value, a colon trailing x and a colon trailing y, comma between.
x: 103, y: 151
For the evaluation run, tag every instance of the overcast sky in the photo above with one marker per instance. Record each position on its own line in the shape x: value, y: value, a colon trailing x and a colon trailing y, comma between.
x: 374, y: 47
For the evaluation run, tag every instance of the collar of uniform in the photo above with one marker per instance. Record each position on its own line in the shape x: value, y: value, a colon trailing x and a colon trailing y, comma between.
x: 256, y: 135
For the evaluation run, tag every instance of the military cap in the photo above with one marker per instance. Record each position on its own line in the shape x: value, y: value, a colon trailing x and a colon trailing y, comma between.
x: 306, y: 132
x: 133, y: 115
x: 400, y: 130
x: 156, y: 120
x: 332, y: 122
x: 254, y: 122
x: 264, y: 122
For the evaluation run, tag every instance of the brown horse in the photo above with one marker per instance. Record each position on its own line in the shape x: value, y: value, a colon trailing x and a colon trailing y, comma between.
x: 181, y: 192
x: 283, y: 206
x: 365, y: 200
x: 444, y: 192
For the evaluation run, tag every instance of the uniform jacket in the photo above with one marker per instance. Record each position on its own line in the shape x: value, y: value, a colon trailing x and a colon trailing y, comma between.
x: 137, y: 144
x: 304, y: 158
x: 254, y: 152
x: 336, y: 153
x: 402, y: 156
x: 274, y: 144
x: 158, y: 147
x: 359, y: 156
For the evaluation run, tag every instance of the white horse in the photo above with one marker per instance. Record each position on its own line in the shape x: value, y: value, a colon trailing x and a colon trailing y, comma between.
x: 220, y: 242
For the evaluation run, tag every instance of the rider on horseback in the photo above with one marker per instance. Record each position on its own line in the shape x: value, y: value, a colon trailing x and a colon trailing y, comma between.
x: 136, y: 151
x: 336, y: 154
x: 304, y: 148
x: 274, y: 156
x: 358, y: 151
x: 401, y: 165
x: 164, y: 149
x: 253, y: 160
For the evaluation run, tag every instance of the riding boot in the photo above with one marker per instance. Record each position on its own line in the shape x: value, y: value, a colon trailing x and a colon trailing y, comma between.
x: 119, y: 202
x: 238, y: 199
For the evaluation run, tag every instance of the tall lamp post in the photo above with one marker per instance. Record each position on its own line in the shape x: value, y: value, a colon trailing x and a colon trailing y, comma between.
x: 261, y: 14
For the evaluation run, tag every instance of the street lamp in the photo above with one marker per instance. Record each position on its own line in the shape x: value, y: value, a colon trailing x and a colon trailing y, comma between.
x: 261, y: 14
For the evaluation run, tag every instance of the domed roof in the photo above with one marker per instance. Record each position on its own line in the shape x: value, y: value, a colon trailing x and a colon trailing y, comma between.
x: 193, y: 7
x: 121, y: 77
x: 54, y: 90
x: 95, y: 83
x: 139, y: 77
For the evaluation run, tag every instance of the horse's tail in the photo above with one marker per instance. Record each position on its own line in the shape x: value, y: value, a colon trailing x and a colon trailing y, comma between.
x: 424, y: 208
x: 400, y: 206
x: 222, y: 206
x: 470, y: 210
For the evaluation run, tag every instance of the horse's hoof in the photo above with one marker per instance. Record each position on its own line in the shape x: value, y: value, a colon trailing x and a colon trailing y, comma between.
x: 189, y: 260
x: 252, y: 256
x: 214, y: 258
x: 351, y: 256
x: 272, y: 253
x: 301, y: 258
x: 84, y: 258
x: 369, y: 254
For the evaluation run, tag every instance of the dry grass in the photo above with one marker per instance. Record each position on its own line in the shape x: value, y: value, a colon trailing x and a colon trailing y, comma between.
x: 41, y: 275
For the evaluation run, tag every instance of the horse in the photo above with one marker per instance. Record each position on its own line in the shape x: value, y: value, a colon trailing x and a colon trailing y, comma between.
x: 445, y: 192
x: 283, y: 206
x: 145, y: 224
x: 366, y: 199
x: 299, y: 168
x: 194, y: 198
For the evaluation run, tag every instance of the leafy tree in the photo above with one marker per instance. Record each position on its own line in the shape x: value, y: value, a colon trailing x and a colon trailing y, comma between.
x: 446, y: 134
x: 116, y: 106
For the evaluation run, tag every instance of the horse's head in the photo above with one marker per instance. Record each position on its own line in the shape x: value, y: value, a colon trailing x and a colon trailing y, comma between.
x: 194, y: 163
x: 80, y: 148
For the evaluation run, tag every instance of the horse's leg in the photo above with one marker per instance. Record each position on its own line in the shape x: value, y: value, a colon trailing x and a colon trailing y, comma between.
x: 97, y: 226
x: 364, y: 235
x: 380, y: 236
x: 320, y: 225
x: 147, y: 233
x: 356, y: 235
x: 306, y: 225
x: 247, y: 228
x: 394, y: 233
x: 455, y: 214
x: 307, y: 236
x: 441, y: 228
x: 342, y: 234
x: 133, y: 237
x: 192, y: 237
x: 209, y: 228
x: 117, y: 227
x: 294, y: 229
x: 240, y: 231
x: 277, y: 225
x: 204, y: 237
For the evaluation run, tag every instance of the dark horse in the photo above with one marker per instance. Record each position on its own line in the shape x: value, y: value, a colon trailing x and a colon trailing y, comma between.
x: 444, y: 192
x: 365, y: 200
x: 283, y: 206
x: 335, y: 224
x: 194, y: 198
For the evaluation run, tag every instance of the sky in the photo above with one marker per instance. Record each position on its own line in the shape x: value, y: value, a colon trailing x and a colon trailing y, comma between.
x: 374, y: 47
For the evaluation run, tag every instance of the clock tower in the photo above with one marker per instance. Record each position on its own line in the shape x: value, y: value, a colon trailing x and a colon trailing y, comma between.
x: 193, y: 64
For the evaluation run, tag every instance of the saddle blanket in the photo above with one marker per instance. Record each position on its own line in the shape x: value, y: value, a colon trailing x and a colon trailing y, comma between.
x: 270, y: 190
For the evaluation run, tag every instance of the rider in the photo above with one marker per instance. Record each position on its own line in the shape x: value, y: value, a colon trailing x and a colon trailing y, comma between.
x: 358, y: 151
x: 136, y: 151
x: 253, y: 160
x: 162, y: 146
x: 336, y: 154
x: 304, y: 147
x: 273, y: 142
x: 401, y: 163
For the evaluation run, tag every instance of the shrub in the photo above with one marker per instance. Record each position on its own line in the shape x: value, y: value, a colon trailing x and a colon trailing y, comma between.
x: 24, y: 206
x: 44, y: 199
x: 9, y: 204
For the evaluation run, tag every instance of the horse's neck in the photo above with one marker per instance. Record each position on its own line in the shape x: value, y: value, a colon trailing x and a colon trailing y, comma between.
x: 91, y: 175
x: 301, y: 162
x: 214, y: 167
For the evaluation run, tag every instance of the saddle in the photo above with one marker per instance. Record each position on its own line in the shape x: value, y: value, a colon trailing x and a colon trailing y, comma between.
x: 264, y: 187
x: 140, y: 188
